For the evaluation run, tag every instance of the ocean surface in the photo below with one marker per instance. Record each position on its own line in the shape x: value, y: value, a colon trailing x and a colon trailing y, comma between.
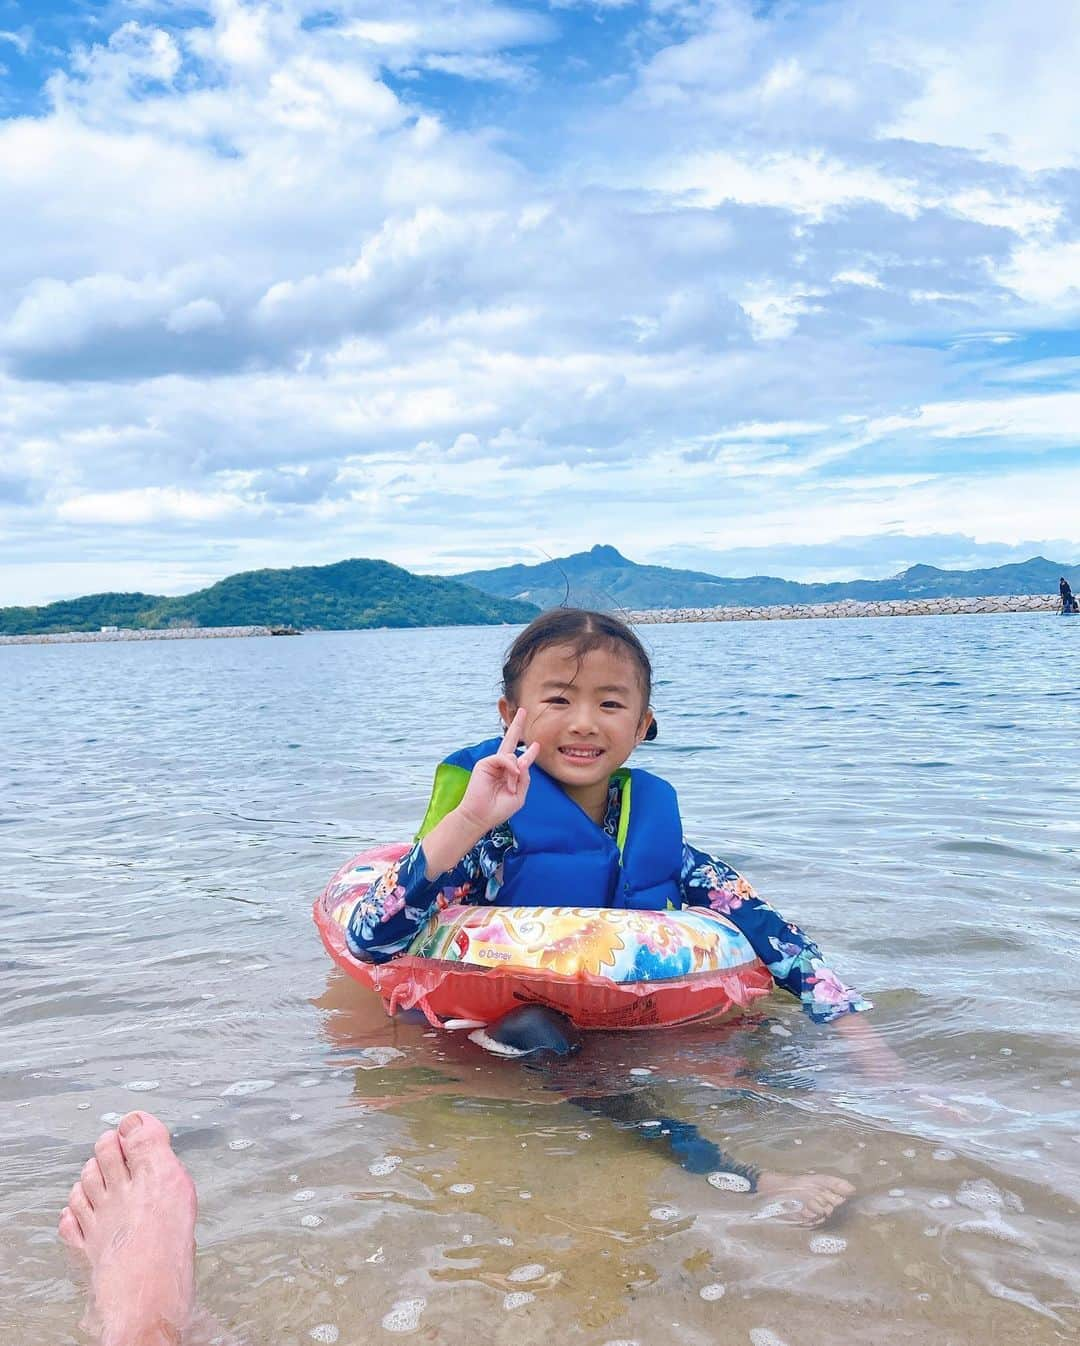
x: 908, y: 790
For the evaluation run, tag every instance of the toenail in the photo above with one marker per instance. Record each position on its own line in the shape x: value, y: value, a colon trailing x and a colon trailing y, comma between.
x: 130, y: 1123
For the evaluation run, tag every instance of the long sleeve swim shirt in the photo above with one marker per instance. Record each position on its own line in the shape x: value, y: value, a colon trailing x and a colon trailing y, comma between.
x: 390, y: 914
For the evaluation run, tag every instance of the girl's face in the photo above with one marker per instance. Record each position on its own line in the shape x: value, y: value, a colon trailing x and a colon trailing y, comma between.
x: 587, y: 714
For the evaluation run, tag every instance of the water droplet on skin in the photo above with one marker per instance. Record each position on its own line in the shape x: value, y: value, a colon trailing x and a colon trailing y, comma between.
x: 404, y: 1315
x: 728, y: 1182
x: 531, y: 1271
x: 517, y: 1299
x: 324, y: 1332
x: 242, y: 1088
x: 311, y: 1221
x: 827, y: 1245
x: 306, y: 1195
x: 381, y: 1167
x: 712, y: 1292
x: 663, y: 1213
x: 462, y: 1188
x: 240, y: 1144
x: 142, y: 1086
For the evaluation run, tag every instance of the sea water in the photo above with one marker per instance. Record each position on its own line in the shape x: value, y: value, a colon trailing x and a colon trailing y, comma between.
x: 907, y: 789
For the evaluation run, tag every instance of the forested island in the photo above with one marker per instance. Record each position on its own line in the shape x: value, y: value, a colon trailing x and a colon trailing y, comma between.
x: 347, y: 596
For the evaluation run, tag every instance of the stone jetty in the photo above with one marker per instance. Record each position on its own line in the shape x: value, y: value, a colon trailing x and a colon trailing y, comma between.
x: 166, y: 633
x: 901, y: 607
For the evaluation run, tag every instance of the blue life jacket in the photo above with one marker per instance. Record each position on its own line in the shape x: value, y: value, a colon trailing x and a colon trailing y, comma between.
x: 561, y: 858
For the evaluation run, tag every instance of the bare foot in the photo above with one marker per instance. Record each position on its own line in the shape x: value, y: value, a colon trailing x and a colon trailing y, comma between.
x: 809, y: 1198
x: 132, y: 1215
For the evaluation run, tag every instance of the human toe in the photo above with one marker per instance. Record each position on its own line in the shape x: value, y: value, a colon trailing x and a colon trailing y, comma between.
x: 93, y: 1182
x: 69, y: 1229
x: 142, y: 1139
x: 80, y: 1206
x: 110, y: 1159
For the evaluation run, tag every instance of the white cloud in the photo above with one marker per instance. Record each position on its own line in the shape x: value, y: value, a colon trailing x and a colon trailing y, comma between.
x: 1045, y: 274
x: 194, y: 316
x: 152, y: 504
x: 999, y: 79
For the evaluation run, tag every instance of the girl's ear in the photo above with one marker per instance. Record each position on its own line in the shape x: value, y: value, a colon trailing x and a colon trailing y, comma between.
x: 506, y: 712
x: 646, y: 724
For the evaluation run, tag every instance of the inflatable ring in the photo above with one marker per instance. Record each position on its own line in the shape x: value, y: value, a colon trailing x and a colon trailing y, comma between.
x: 603, y: 967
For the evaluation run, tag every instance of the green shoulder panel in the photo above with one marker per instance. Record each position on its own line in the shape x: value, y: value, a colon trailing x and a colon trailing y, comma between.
x: 624, y: 808
x: 446, y: 794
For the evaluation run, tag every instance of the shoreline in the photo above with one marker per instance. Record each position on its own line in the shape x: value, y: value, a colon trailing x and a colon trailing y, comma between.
x: 900, y: 607
x: 130, y: 633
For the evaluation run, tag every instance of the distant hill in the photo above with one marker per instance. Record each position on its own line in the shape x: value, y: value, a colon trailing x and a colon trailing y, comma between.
x: 604, y: 578
x: 347, y: 596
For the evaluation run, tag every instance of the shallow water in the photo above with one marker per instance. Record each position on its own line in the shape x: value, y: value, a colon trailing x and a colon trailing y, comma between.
x: 909, y: 790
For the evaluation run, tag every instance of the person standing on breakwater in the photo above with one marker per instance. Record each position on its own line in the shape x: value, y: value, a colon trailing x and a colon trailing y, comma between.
x: 576, y: 691
x: 1068, y: 602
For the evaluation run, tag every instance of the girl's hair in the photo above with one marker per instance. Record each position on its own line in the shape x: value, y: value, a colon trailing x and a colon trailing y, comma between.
x: 581, y: 632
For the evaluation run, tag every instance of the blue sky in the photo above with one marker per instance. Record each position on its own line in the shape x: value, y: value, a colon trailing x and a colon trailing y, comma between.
x: 789, y: 288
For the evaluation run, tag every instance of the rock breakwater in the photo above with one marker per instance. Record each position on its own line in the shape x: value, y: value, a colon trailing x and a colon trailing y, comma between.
x: 905, y: 607
x: 168, y: 633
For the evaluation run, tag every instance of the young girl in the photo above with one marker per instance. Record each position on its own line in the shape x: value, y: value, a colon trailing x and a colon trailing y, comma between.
x: 576, y: 689
x: 553, y: 825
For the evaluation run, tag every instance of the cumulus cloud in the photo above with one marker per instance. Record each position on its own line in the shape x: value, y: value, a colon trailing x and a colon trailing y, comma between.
x: 340, y: 276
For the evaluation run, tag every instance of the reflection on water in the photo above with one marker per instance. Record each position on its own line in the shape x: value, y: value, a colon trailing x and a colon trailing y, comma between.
x: 166, y: 815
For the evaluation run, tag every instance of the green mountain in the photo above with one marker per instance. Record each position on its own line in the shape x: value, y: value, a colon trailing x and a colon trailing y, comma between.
x: 347, y: 596
x: 604, y: 578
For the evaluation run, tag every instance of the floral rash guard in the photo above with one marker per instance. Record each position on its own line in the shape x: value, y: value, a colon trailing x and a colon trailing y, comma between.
x: 388, y: 917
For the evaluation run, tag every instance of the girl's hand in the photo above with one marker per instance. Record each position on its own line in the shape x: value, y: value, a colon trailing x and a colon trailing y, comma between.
x: 499, y: 783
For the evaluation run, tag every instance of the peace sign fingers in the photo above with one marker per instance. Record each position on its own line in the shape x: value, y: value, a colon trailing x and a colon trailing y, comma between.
x: 508, y: 746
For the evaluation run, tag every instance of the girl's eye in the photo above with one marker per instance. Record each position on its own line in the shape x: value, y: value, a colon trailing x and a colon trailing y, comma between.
x: 612, y: 705
x: 555, y: 700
